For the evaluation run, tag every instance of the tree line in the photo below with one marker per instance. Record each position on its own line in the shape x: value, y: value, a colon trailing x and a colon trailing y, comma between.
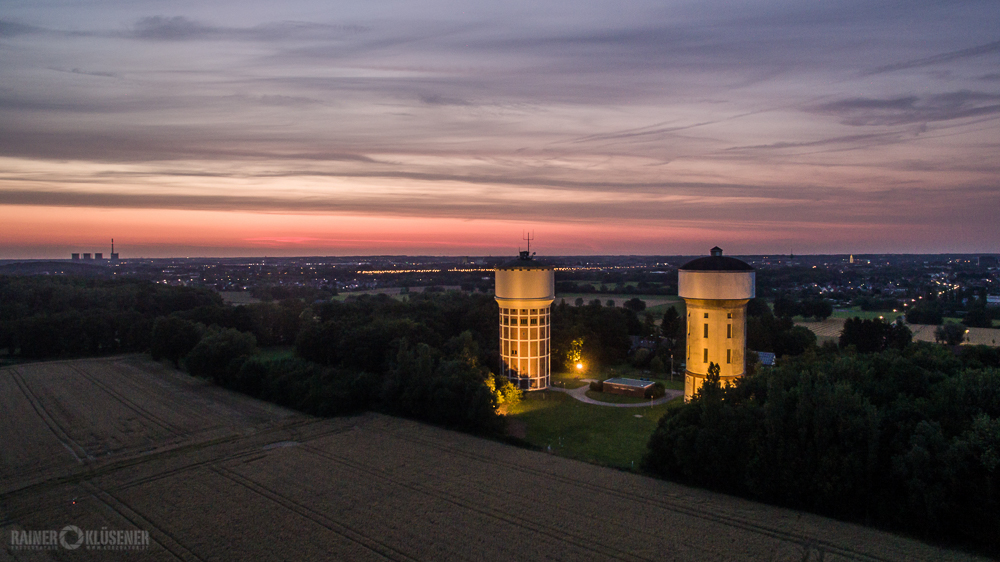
x: 905, y: 437
x: 45, y: 317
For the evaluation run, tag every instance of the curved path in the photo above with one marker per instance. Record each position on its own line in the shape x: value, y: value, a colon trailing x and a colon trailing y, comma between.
x: 581, y: 395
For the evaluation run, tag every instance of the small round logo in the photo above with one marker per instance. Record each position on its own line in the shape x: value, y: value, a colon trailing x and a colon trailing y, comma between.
x: 69, y: 530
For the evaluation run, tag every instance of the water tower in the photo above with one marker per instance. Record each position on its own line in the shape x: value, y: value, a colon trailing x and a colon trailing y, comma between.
x: 716, y: 290
x: 525, y: 289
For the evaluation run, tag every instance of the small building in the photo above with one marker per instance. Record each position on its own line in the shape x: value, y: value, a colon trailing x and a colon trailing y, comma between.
x: 99, y: 256
x: 639, y: 342
x: 86, y: 256
x: 75, y: 256
x: 766, y: 358
x: 627, y: 387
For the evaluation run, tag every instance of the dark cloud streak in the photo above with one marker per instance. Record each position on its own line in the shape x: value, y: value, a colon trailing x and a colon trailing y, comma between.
x: 976, y: 51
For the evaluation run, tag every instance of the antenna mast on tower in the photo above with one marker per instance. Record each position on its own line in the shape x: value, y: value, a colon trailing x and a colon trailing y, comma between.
x: 529, y: 236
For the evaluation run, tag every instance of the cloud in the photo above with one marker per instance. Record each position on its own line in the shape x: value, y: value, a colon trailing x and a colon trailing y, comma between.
x: 180, y: 28
x: 436, y: 99
x: 912, y: 109
x: 976, y: 51
x: 171, y: 28
x: 12, y: 29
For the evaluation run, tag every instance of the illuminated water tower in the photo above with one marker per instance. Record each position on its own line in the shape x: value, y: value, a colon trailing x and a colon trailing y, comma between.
x: 525, y: 289
x: 716, y: 290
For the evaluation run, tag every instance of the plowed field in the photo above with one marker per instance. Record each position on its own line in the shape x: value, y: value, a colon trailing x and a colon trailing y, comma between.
x: 125, y: 443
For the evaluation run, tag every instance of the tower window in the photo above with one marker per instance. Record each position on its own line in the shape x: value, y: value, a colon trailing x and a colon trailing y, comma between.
x: 730, y: 315
x: 729, y: 356
x: 706, y: 315
x: 706, y: 330
x: 729, y: 330
x: 705, y: 358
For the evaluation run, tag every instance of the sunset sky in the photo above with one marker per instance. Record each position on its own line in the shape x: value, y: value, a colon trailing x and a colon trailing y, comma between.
x: 431, y: 127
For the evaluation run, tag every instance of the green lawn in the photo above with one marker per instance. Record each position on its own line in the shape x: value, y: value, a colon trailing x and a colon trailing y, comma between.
x: 658, y: 310
x: 596, y: 434
x: 568, y: 380
x: 614, y: 398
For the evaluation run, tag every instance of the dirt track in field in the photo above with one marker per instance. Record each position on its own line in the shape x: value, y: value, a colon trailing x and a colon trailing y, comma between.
x: 125, y: 443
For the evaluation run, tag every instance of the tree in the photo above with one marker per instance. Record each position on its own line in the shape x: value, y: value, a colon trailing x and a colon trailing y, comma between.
x: 649, y: 326
x: 574, y: 355
x: 656, y: 365
x: 640, y: 357
x: 785, y: 307
x: 926, y: 313
x: 950, y: 333
x: 794, y: 341
x: 635, y: 304
x: 820, y: 309
x: 977, y: 317
x: 672, y: 325
x: 579, y: 301
x: 212, y: 356
x: 173, y: 338
x: 874, y: 335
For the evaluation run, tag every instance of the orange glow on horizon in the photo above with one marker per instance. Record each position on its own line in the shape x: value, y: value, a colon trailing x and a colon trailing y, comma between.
x: 165, y: 233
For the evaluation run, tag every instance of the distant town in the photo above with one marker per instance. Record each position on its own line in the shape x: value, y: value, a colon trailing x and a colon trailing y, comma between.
x: 889, y: 283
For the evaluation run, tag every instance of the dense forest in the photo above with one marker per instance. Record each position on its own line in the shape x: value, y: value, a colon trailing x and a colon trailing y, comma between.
x: 907, y: 439
x: 430, y: 355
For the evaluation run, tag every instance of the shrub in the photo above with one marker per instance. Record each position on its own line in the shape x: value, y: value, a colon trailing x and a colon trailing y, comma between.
x: 655, y: 391
x: 597, y: 386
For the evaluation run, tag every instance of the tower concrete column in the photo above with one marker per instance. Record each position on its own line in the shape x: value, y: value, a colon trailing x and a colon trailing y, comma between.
x: 716, y: 290
x: 525, y: 289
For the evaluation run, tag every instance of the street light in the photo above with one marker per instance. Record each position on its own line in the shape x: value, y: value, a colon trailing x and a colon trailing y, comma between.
x: 579, y: 366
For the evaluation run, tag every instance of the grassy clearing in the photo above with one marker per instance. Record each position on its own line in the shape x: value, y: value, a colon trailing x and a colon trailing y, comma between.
x: 659, y: 309
x: 568, y: 380
x: 614, y: 398
x: 595, y: 434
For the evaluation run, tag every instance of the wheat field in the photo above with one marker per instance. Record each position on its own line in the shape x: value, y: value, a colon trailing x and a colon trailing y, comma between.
x: 126, y: 443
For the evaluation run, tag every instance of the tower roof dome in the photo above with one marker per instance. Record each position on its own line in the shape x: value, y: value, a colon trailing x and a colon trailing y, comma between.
x: 716, y: 262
